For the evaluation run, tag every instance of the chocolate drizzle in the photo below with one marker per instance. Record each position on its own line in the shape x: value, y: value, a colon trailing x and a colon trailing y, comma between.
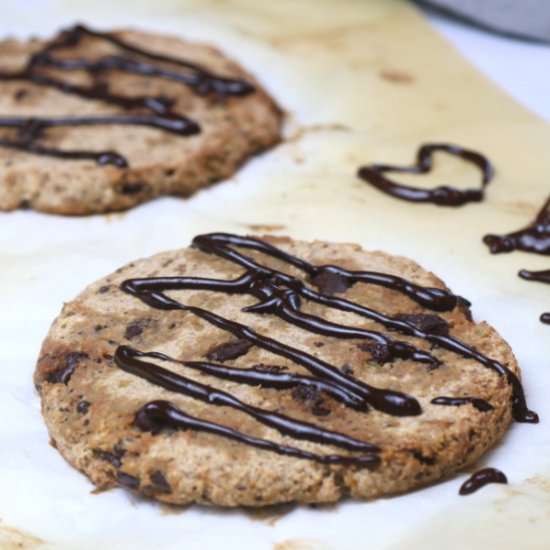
x: 154, y: 111
x: 158, y: 415
x: 281, y: 294
x: 534, y: 238
x: 481, y: 478
x: 130, y: 360
x: 477, y: 402
x: 540, y: 277
x: 441, y: 196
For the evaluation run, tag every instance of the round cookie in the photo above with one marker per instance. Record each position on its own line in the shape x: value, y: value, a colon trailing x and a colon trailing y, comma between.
x: 235, y: 372
x: 94, y: 122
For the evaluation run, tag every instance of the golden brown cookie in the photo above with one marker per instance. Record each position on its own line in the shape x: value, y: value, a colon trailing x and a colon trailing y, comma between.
x: 96, y: 122
x: 244, y: 371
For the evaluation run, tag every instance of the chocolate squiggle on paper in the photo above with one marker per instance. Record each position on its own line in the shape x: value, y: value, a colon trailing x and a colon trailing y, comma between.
x: 374, y: 174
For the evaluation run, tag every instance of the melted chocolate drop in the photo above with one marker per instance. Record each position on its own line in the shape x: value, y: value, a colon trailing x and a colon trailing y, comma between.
x: 481, y: 478
x: 441, y: 196
x: 534, y: 238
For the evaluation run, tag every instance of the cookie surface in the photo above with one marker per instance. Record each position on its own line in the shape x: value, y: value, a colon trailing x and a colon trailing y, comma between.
x: 157, y: 379
x: 104, y: 121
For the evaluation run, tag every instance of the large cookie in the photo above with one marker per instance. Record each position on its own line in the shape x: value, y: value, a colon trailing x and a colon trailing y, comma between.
x: 253, y: 372
x: 96, y: 122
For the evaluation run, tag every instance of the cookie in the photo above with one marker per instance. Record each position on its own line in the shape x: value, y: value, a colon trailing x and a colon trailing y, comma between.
x: 254, y: 371
x: 94, y: 122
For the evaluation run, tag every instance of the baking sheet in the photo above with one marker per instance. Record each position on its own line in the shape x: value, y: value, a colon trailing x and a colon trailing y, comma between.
x: 362, y: 81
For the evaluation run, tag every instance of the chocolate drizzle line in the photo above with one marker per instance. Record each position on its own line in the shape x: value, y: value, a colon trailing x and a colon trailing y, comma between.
x: 157, y: 415
x: 477, y: 402
x: 281, y: 294
x: 260, y: 280
x: 481, y: 478
x: 160, y: 114
x: 441, y: 196
x: 534, y: 238
x: 540, y: 277
x: 129, y: 360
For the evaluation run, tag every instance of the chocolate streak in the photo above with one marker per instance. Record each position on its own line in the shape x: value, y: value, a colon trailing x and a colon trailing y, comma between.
x: 477, y: 402
x: 195, y: 77
x: 130, y: 360
x: 281, y: 294
x: 540, y: 277
x: 157, y: 415
x: 534, y: 238
x: 259, y: 280
x: 441, y: 196
x: 480, y: 479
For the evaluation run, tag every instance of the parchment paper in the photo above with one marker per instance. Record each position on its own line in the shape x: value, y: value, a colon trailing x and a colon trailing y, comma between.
x: 362, y: 81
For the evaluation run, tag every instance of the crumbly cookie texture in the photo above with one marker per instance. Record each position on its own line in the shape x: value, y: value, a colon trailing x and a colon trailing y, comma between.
x: 89, y: 404
x: 160, y: 163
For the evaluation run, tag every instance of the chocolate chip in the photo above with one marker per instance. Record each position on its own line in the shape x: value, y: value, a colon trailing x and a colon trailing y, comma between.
x: 346, y: 369
x: 63, y: 374
x: 113, y: 458
x: 427, y: 460
x: 464, y: 306
x: 135, y: 328
x: 329, y: 282
x: 131, y: 188
x: 269, y: 368
x: 104, y: 289
x: 132, y: 330
x: 379, y: 352
x: 318, y: 344
x: 127, y: 480
x: 83, y: 406
x: 21, y: 93
x: 229, y: 350
x: 319, y: 410
x: 312, y: 397
x: 159, y: 481
x: 429, y: 323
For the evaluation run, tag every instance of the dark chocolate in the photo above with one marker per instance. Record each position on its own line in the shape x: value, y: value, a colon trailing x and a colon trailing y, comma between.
x: 374, y: 174
x: 229, y: 350
x: 281, y: 294
x: 481, y: 478
x: 157, y: 415
x: 477, y: 402
x: 533, y: 238
x: 63, y: 373
x: 161, y: 116
x: 433, y: 324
